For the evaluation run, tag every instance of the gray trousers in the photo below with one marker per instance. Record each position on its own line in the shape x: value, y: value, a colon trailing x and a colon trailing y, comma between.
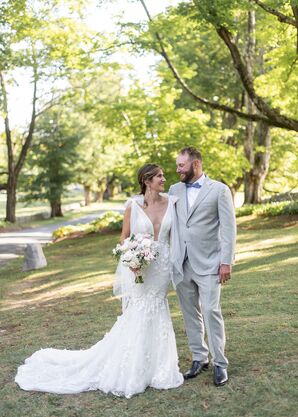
x: 199, y: 297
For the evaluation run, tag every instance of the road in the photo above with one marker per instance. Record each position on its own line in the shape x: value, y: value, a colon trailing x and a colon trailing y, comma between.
x: 13, y: 244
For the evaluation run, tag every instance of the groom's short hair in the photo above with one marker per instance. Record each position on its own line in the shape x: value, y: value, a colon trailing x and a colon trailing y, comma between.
x: 192, y: 152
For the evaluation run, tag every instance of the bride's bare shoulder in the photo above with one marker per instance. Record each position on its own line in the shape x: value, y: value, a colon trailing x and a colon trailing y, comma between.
x: 169, y: 198
x: 138, y: 198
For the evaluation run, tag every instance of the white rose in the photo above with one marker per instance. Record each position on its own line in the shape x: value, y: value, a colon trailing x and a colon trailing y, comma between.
x: 126, y: 257
x: 147, y: 243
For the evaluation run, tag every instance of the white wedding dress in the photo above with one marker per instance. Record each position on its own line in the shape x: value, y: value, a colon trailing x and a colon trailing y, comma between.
x: 140, y: 349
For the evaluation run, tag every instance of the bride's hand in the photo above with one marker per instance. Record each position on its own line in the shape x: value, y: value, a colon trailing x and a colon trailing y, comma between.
x: 135, y: 270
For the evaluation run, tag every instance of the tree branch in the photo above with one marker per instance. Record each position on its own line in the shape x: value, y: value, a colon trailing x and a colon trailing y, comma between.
x: 277, y: 120
x: 129, y: 125
x: 273, y: 114
x: 294, y: 6
x: 6, y: 124
x: 47, y: 106
x: 29, y: 136
x: 281, y: 17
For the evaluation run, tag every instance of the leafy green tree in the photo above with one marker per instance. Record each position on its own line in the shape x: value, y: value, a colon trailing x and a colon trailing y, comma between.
x: 50, y: 164
x: 204, y: 70
x: 103, y: 145
x: 49, y: 41
x: 223, y: 17
x: 156, y: 130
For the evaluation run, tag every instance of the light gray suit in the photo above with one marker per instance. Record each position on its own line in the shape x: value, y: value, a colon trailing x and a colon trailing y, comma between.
x: 206, y: 232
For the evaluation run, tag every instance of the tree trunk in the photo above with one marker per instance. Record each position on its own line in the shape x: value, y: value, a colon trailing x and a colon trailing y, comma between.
x: 11, y: 200
x: 87, y: 194
x: 259, y: 134
x: 235, y: 187
x: 16, y: 164
x: 98, y: 197
x: 254, y: 179
x: 56, y: 208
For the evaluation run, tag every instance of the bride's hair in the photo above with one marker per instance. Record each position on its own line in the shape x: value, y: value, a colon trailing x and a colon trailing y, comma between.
x: 147, y: 172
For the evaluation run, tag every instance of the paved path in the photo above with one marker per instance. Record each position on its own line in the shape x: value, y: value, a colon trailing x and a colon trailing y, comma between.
x: 13, y: 244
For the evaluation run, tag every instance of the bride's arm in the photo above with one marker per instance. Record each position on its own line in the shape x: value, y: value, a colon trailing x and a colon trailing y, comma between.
x: 126, y: 225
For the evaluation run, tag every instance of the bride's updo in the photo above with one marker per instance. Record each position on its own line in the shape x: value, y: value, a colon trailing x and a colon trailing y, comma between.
x: 147, y: 172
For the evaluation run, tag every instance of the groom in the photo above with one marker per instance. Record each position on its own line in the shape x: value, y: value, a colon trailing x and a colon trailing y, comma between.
x: 206, y: 233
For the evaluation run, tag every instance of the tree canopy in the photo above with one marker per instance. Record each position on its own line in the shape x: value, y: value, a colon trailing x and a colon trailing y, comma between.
x: 226, y: 81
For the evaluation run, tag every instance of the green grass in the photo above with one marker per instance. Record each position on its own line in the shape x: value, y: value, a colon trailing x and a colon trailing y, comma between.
x: 25, y: 208
x: 68, y: 215
x: 69, y: 304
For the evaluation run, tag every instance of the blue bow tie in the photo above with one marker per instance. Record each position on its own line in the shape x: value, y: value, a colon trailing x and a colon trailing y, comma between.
x: 193, y: 185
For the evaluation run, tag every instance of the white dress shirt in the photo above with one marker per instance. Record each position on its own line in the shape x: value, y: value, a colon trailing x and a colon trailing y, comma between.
x: 193, y: 192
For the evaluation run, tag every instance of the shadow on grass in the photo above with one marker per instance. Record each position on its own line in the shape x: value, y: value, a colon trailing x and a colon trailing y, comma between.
x: 265, y: 223
x: 258, y: 305
x: 270, y: 260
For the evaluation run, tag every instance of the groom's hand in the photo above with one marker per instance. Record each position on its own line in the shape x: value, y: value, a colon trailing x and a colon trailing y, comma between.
x: 224, y: 273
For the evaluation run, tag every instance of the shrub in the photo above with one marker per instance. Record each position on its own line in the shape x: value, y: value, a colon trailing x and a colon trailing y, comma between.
x: 291, y: 208
x: 109, y: 221
x: 245, y: 210
x: 269, y: 209
x: 65, y: 231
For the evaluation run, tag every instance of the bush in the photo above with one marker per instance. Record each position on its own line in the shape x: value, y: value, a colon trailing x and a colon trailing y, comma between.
x: 269, y: 209
x: 109, y: 221
x: 65, y: 231
x: 291, y: 208
x: 245, y: 210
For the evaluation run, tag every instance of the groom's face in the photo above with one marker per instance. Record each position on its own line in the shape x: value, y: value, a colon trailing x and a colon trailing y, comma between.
x: 185, y: 168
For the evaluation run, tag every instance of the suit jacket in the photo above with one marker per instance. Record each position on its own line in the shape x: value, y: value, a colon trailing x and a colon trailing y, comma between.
x: 206, y: 231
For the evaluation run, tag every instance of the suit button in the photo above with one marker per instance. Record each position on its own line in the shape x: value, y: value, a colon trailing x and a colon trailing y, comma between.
x: 187, y: 227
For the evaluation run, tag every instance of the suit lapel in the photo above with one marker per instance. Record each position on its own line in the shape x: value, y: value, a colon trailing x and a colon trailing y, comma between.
x: 182, y: 202
x: 201, y: 196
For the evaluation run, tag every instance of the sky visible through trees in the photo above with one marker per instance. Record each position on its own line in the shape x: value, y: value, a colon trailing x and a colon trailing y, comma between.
x: 132, y: 82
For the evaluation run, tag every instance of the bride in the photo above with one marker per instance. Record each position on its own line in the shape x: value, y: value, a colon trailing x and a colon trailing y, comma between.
x: 140, y: 349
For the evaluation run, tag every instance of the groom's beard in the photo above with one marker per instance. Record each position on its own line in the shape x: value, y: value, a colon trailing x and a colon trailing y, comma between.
x: 189, y: 175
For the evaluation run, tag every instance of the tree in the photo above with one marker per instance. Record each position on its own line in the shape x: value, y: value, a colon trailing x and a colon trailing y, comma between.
x: 156, y: 130
x: 50, y: 165
x: 102, y: 147
x: 193, y: 53
x: 220, y: 15
x: 37, y: 38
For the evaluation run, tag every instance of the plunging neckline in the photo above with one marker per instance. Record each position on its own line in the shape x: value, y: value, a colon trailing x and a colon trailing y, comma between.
x: 162, y: 221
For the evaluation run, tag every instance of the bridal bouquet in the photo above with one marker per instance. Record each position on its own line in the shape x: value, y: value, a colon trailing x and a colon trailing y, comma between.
x: 136, y: 252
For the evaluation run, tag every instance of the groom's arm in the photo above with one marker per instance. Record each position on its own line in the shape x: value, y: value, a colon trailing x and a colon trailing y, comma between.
x: 227, y: 222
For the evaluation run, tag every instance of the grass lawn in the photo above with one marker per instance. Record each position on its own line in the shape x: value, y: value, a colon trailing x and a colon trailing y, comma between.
x: 69, y: 304
x: 67, y: 215
x: 34, y: 207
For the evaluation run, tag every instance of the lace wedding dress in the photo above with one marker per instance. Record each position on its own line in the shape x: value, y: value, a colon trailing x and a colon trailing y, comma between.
x: 140, y: 349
